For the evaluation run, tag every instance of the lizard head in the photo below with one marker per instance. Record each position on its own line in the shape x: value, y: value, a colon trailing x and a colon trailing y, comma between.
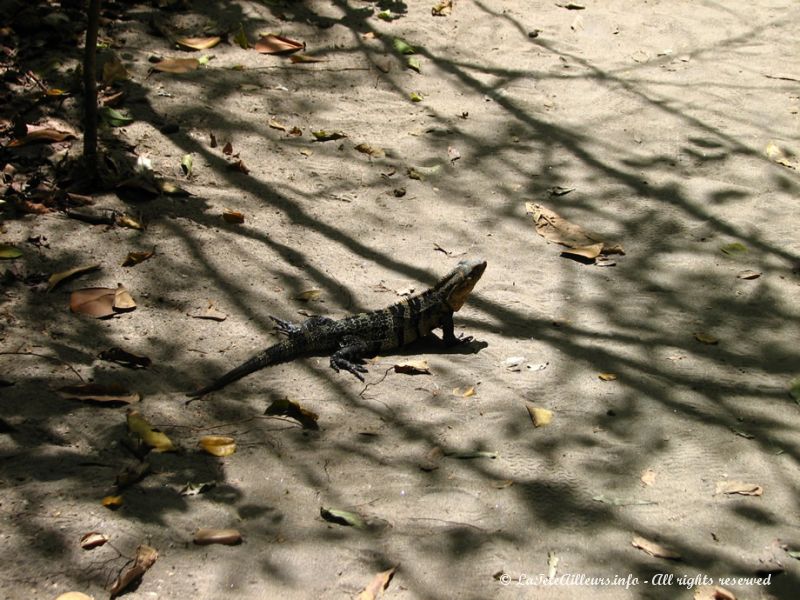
x: 459, y: 283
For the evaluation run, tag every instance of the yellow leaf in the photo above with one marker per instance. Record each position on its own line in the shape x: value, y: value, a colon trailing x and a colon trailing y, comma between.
x: 540, y: 416
x: 155, y: 439
x: 309, y: 295
x: 464, y: 392
x: 122, y: 299
x: 377, y: 586
x: 218, y: 445
x: 134, y: 258
x: 201, y: 43
x: 57, y: 278
x: 112, y: 502
x: 648, y: 477
x: 413, y: 367
x: 607, y: 376
x: 654, y: 549
x: 74, y: 596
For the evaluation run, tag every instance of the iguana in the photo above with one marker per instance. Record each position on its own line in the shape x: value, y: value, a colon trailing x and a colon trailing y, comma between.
x: 350, y: 339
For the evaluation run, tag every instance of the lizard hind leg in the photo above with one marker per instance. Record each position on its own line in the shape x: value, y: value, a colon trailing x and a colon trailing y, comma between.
x: 350, y: 355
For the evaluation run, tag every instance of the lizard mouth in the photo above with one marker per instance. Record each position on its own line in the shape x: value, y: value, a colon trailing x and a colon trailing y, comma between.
x: 459, y: 296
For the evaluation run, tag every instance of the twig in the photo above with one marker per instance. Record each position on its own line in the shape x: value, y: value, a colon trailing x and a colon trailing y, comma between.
x: 385, y: 375
x: 55, y: 358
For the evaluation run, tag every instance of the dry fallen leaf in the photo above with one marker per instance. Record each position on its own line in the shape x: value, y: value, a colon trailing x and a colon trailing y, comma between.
x: 112, y: 502
x: 93, y: 539
x: 371, y: 150
x: 287, y: 408
x: 748, y: 274
x: 276, y: 44
x: 654, y: 549
x: 776, y: 154
x: 580, y: 242
x: 309, y: 295
x: 153, y: 438
x: 134, y: 258
x: 210, y: 313
x: 706, y: 338
x: 198, y: 43
x: 342, y: 517
x: 145, y: 558
x: 712, y: 592
x: 124, y: 358
x: 228, y: 537
x: 44, y: 134
x: 305, y: 58
x: 413, y: 367
x: 57, y: 278
x: 218, y: 445
x: 648, y: 477
x: 464, y: 392
x: 377, y: 586
x: 74, y: 596
x: 122, y: 299
x: 95, y: 392
x: 738, y: 487
x: 177, y: 65
x: 95, y: 302
x: 442, y: 9
x: 608, y: 376
x: 431, y: 460
x: 233, y: 216
x: 540, y: 416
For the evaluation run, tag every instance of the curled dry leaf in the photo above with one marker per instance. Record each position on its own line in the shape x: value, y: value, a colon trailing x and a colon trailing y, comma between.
x: 145, y: 558
x: 153, y: 438
x: 706, y: 338
x: 287, y: 408
x: 131, y: 474
x: 94, y: 392
x: 277, y: 125
x: 277, y: 44
x: 607, y: 376
x: 776, y: 154
x: 123, y: 301
x: 309, y: 295
x: 413, y: 367
x: 134, y: 258
x: 739, y: 487
x: 228, y: 537
x: 198, y: 43
x: 712, y: 592
x: 218, y: 445
x: 305, y: 58
x: 238, y: 165
x: 112, y: 502
x: 377, y: 586
x: 326, y: 136
x: 540, y: 417
x: 124, y: 358
x: 58, y: 278
x: 748, y: 274
x: 654, y: 549
x: 46, y: 135
x: 442, y: 9
x: 101, y: 302
x: 210, y: 312
x: 177, y: 65
x: 342, y: 517
x: 233, y: 216
x: 74, y: 596
x: 431, y: 460
x: 93, y: 539
x: 648, y: 477
x: 580, y: 242
x: 371, y: 150
x: 464, y: 392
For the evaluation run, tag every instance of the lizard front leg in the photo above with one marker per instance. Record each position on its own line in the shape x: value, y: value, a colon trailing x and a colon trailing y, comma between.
x: 448, y: 332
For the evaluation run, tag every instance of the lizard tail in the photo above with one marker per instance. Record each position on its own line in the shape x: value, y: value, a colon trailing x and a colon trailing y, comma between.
x: 273, y: 355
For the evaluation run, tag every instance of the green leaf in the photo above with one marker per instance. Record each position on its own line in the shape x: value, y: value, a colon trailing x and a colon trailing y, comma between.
x: 342, y: 517
x: 9, y: 252
x: 794, y: 389
x: 114, y: 118
x: 186, y: 164
x: 385, y: 15
x: 327, y: 136
x: 241, y: 38
x: 413, y: 63
x: 734, y: 249
x: 203, y: 60
x: 402, y: 46
x: 415, y: 97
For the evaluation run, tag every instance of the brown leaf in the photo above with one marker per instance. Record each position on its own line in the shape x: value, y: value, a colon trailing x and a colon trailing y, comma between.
x: 540, y: 417
x: 95, y: 302
x: 748, y: 274
x: 227, y: 149
x: 580, y: 242
x: 233, y: 216
x: 648, y: 477
x: 277, y: 125
x: 276, y: 44
x: 112, y: 502
x: 123, y: 301
x: 706, y: 338
x: 305, y: 58
x: 286, y: 407
x: 431, y: 460
x: 377, y: 586
x: 42, y: 134
x: 134, y: 258
x: 129, y: 222
x: 57, y: 278
x: 218, y: 445
x: 371, y: 150
x: 210, y: 313
x: 114, y: 70
x: 608, y: 376
x: 309, y: 295
x: 413, y: 367
x: 198, y: 43
x: 442, y: 9
x: 145, y: 558
x: 228, y: 537
x: 131, y: 474
x: 654, y: 549
x: 177, y: 65
x: 93, y: 539
x: 238, y: 165
x: 712, y: 592
x: 95, y: 392
x: 739, y: 487
x: 124, y: 358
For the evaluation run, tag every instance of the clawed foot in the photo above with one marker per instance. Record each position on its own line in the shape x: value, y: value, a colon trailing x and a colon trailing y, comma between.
x: 338, y: 363
x: 285, y: 327
x: 458, y: 341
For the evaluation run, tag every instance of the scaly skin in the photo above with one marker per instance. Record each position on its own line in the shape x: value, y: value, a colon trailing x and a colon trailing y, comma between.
x: 350, y: 339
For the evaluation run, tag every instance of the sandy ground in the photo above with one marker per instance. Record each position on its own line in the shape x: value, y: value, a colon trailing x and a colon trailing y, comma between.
x: 656, y: 114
